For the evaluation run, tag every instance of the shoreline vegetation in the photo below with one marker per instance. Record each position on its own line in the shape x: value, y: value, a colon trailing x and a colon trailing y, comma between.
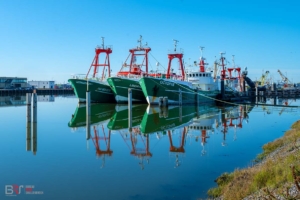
x: 276, y: 174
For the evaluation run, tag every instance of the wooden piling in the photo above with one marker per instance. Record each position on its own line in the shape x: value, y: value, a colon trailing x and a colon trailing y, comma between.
x: 88, y: 115
x: 165, y: 101
x: 34, y: 108
x: 180, y: 113
x: 34, y: 138
x: 28, y: 122
x: 180, y: 97
x: 160, y: 101
x: 129, y: 109
x: 256, y: 94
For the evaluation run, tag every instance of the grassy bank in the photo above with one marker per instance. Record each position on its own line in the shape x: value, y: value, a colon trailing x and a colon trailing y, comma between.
x: 275, y: 176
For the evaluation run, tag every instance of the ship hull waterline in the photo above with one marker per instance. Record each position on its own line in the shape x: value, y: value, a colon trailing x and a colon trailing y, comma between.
x: 120, y: 119
x: 99, y: 113
x: 161, y: 119
x: 120, y: 88
x: 100, y: 92
x: 154, y: 88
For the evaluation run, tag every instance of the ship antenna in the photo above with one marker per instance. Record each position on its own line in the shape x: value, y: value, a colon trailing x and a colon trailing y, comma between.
x: 102, y: 42
x: 201, y: 50
x: 140, y: 41
x: 175, y: 44
x: 233, y: 60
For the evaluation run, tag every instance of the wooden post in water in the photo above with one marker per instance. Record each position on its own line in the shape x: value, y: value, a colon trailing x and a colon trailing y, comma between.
x: 222, y: 89
x: 166, y: 111
x: 165, y: 101
x: 256, y: 94
x: 275, y: 96
x: 28, y: 120
x: 34, y: 107
x: 197, y: 102
x: 34, y: 123
x: 160, y: 101
x: 129, y: 109
x: 88, y: 115
x: 180, y: 113
x: 180, y: 97
x: 34, y: 138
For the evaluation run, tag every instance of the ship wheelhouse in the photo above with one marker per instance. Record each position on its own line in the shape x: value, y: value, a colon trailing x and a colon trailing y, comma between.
x: 201, y: 80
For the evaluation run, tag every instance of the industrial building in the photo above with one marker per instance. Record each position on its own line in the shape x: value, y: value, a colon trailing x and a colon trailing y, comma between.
x: 13, y: 82
x: 42, y: 84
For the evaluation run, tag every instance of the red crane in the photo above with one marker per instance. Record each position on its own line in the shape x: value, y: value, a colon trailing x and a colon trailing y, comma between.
x: 96, y: 62
x: 179, y: 149
x: 97, y: 140
x: 140, y: 147
x: 133, y: 67
x: 173, y: 55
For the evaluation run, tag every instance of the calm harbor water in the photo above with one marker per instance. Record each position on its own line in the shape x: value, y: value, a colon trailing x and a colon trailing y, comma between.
x: 173, y: 153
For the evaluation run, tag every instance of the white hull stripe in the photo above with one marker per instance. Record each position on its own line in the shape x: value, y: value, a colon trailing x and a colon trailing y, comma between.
x: 130, y: 88
x: 122, y: 98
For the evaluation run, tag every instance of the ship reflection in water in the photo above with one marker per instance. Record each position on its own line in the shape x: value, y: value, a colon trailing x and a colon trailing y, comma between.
x: 178, y: 124
x: 164, y: 153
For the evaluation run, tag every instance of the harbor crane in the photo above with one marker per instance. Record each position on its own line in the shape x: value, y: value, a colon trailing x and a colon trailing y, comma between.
x: 263, y: 78
x: 285, y: 79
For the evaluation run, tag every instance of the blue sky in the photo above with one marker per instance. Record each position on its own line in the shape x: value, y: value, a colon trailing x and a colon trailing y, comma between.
x: 52, y: 39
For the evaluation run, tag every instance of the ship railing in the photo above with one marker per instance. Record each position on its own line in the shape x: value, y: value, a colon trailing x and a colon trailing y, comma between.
x: 78, y: 76
x: 134, y: 76
x: 176, y: 52
x: 106, y: 47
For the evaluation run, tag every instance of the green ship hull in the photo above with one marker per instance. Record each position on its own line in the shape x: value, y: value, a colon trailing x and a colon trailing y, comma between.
x: 100, y: 91
x: 154, y: 88
x: 99, y: 113
x: 161, y: 119
x: 120, y: 88
x: 120, y: 118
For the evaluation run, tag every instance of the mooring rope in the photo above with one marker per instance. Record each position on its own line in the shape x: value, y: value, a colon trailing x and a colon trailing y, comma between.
x: 215, y: 99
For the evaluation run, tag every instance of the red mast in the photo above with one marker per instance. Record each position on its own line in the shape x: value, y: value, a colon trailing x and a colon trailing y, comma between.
x: 202, y: 63
x: 175, y: 55
x: 135, y: 68
x: 96, y: 140
x: 98, y: 50
x: 181, y: 147
x: 223, y: 73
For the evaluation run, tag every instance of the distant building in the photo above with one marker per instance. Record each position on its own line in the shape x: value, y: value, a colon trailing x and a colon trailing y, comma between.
x: 63, y: 86
x: 13, y: 82
x: 42, y: 84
